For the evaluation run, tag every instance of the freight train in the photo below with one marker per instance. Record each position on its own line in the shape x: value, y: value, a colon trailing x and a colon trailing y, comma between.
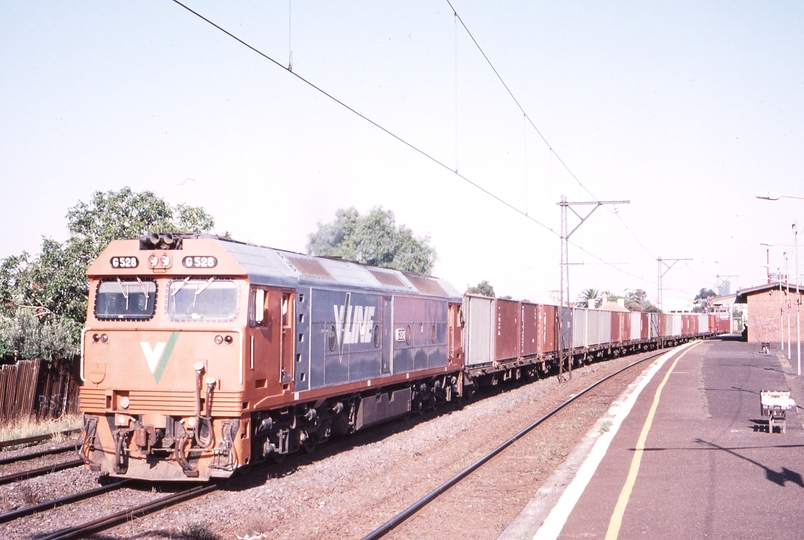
x: 202, y: 355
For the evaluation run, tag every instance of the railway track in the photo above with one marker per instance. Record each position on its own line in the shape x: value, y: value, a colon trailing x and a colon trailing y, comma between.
x: 133, y: 512
x: 416, y: 508
x: 39, y: 471
x: 37, y: 438
x: 61, y: 501
x: 39, y: 453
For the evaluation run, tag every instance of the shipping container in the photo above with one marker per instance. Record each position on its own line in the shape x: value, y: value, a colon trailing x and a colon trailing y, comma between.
x: 508, y: 327
x: 580, y: 327
x: 530, y: 329
x: 636, y: 325
x: 479, y: 314
x: 547, y: 331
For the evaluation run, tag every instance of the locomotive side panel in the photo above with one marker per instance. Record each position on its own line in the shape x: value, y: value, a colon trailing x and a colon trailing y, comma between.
x: 420, y: 333
x: 303, y: 350
x: 346, y: 328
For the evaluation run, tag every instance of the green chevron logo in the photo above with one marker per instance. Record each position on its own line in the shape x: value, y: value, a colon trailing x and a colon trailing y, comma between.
x: 158, y: 356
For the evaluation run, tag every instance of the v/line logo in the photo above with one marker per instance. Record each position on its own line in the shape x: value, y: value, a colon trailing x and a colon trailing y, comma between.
x: 353, y: 324
x: 158, y: 356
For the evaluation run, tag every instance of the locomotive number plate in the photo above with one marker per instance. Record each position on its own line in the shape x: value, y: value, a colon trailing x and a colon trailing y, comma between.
x: 200, y: 262
x: 124, y: 262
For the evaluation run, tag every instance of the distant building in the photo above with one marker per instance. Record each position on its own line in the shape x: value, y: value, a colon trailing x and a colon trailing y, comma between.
x: 677, y: 305
x: 768, y: 309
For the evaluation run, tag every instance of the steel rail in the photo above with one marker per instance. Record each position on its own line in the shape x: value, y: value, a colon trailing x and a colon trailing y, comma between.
x: 62, y: 501
x: 40, y: 471
x: 37, y: 438
x: 40, y: 453
x: 424, y: 501
x: 112, y: 520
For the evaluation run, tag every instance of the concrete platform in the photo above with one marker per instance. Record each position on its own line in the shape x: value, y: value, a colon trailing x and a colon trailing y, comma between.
x: 683, y: 453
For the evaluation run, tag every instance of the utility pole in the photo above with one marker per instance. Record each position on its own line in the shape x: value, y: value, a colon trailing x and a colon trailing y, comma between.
x: 661, y: 274
x: 565, y: 341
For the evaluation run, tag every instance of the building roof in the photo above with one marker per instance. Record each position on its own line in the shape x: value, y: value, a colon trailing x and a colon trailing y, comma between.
x: 743, y: 294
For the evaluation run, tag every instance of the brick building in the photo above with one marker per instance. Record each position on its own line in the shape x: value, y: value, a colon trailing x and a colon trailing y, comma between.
x: 771, y: 312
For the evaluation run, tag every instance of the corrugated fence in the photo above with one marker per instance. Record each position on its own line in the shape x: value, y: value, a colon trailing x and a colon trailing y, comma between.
x: 36, y: 389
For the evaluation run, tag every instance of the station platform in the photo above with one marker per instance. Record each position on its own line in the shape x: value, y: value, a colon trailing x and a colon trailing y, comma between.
x: 684, y: 453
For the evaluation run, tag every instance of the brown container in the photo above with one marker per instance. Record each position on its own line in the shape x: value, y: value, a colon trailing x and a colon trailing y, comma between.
x: 616, y: 327
x: 548, y: 320
x: 625, y: 334
x: 530, y: 329
x: 508, y: 324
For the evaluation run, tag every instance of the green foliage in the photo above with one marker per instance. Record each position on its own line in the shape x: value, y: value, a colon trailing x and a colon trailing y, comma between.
x: 29, y: 337
x: 53, y: 284
x: 703, y: 300
x: 125, y: 214
x: 589, y: 294
x: 373, y: 239
x: 483, y: 288
x: 705, y: 294
x: 637, y: 300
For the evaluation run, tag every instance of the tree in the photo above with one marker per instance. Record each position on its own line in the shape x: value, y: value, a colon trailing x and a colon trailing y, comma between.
x: 53, y: 285
x: 373, y: 239
x: 125, y: 214
x: 637, y: 300
x: 589, y: 294
x: 28, y: 336
x: 483, y: 288
x: 703, y: 300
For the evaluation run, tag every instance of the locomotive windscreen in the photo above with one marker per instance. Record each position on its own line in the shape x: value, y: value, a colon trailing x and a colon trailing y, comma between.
x: 125, y: 299
x: 202, y: 299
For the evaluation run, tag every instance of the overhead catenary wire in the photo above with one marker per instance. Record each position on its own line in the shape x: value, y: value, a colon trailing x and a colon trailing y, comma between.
x: 538, y: 131
x: 407, y: 143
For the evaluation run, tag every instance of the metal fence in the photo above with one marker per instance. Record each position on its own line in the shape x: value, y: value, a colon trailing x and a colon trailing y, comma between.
x: 34, y: 388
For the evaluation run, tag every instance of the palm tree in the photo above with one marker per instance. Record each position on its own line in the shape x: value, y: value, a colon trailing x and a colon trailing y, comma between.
x: 586, y: 295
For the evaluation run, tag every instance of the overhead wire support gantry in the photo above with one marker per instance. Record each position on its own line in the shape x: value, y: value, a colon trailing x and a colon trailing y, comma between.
x: 565, y: 338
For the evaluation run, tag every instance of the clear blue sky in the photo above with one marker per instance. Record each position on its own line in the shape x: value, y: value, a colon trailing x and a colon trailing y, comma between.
x: 684, y: 108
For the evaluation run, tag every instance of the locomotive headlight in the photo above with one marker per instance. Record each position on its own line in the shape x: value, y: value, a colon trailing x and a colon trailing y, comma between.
x: 191, y: 422
x: 165, y: 260
x: 153, y: 260
x: 121, y: 420
x: 124, y: 402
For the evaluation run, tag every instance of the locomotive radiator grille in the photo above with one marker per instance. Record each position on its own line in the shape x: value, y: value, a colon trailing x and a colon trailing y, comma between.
x: 173, y: 403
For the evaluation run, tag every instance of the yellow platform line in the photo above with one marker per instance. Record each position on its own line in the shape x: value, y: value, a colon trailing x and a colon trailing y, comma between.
x: 622, y: 502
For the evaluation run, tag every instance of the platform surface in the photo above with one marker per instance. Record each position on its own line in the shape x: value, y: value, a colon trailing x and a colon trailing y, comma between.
x: 709, y: 468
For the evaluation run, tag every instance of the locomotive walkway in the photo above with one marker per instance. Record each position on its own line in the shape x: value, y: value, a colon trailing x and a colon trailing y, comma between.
x: 687, y: 456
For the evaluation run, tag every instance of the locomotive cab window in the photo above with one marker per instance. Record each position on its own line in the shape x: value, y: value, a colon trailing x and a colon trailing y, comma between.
x: 202, y: 299
x: 257, y: 307
x: 125, y: 299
